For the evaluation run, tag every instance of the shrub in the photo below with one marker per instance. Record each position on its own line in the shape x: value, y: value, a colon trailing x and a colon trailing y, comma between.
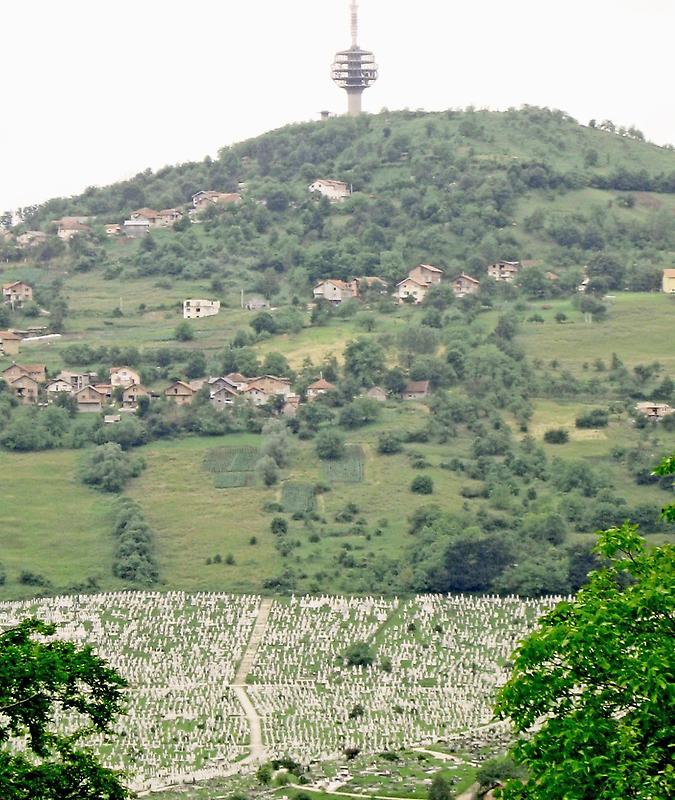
x: 28, y: 578
x: 422, y: 484
x: 596, y: 418
x: 184, y: 332
x: 108, y: 468
x: 388, y: 443
x: 279, y: 526
x: 329, y: 445
x: 556, y: 436
x: 359, y: 654
x: 267, y: 470
x: 3, y: 575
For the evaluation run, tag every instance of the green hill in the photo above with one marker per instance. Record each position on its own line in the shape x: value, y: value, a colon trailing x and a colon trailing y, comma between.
x: 456, y: 189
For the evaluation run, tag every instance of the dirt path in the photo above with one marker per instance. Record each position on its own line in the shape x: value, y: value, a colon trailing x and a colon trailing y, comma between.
x: 257, y: 746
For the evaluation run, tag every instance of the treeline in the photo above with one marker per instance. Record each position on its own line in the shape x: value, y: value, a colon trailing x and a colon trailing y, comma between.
x: 134, y: 557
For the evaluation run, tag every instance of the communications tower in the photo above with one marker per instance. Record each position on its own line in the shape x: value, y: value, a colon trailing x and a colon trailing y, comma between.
x: 354, y: 70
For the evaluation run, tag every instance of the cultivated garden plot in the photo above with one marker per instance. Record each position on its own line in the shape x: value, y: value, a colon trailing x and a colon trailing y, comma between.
x: 232, y: 466
x: 348, y: 469
x: 328, y: 673
x: 297, y: 498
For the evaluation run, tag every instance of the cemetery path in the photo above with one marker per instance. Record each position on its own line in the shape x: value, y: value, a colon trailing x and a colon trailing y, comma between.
x: 440, y: 756
x: 239, y: 684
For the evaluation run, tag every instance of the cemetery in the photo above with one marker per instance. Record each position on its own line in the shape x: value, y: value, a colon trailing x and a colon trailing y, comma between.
x: 324, y: 675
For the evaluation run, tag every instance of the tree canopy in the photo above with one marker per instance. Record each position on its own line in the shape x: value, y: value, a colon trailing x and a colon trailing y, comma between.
x: 37, y: 672
x: 599, y: 673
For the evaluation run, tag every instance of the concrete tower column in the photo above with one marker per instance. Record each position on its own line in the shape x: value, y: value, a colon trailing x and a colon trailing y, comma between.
x: 354, y: 97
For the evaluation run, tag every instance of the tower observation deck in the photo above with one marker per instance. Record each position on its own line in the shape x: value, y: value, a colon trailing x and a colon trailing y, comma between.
x: 354, y: 70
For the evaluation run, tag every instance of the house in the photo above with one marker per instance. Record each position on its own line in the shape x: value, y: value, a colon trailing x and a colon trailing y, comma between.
x: 222, y: 397
x: 17, y: 293
x: 38, y: 372
x: 112, y: 419
x: 409, y: 287
x: 104, y: 389
x: 416, y: 390
x: 271, y: 385
x: 206, y: 198
x: 31, y: 238
x: 426, y: 274
x: 69, y: 227
x: 123, y: 376
x: 335, y: 191
x: 9, y: 343
x: 335, y: 291
x: 180, y: 392
x: 318, y: 388
x: 583, y: 286
x: 655, y: 411
x: 668, y: 281
x: 195, y: 309
x: 131, y: 394
x: 135, y: 228
x: 148, y: 214
x: 77, y: 379
x: 25, y: 388
x: 256, y: 395
x: 112, y: 229
x: 504, y: 270
x: 168, y: 217
x: 377, y: 393
x: 256, y: 304
x: 237, y: 380
x: 215, y: 384
x: 89, y: 399
x: 58, y: 386
x: 291, y: 405
x: 464, y: 284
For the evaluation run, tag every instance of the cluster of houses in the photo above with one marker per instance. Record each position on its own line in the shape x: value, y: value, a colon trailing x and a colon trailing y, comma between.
x: 415, y: 287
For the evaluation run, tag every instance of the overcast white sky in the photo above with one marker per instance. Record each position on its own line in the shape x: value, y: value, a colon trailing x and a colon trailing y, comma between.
x: 97, y: 90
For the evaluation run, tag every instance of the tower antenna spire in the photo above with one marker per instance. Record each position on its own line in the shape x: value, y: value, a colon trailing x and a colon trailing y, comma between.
x: 355, y: 23
x: 354, y: 70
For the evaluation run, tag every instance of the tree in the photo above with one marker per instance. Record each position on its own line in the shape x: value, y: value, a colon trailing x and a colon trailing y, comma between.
x: 359, y: 654
x: 184, y: 332
x: 360, y: 412
x: 422, y: 484
x: 389, y: 442
x: 592, y: 687
x: 108, y: 468
x: 364, y: 361
x: 267, y: 470
x: 440, y: 788
x: 329, y: 445
x: 263, y: 322
x: 37, y: 673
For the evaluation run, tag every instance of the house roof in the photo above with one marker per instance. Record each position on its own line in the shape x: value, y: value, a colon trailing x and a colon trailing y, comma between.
x: 9, y: 336
x: 25, y: 377
x: 236, y: 377
x: 416, y: 387
x: 114, y: 370
x: 13, y: 284
x: 72, y: 225
x: 430, y: 268
x: 182, y: 385
x: 329, y: 182
x: 90, y: 388
x: 466, y: 278
x: 130, y: 222
x: 411, y: 280
x: 148, y: 213
x: 166, y: 211
x: 227, y: 390
x: 322, y: 383
x: 669, y: 273
x: 33, y: 367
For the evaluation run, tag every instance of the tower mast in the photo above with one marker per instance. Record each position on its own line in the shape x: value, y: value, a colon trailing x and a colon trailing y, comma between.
x: 354, y: 70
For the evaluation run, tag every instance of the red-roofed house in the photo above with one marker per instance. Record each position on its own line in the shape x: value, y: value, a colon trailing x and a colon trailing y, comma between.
x: 416, y: 390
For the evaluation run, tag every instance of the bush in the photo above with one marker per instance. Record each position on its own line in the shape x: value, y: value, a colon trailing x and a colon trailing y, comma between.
x: 556, y: 436
x: 279, y: 526
x: 3, y: 575
x: 388, y: 443
x: 359, y: 654
x: 329, y: 445
x: 133, y: 557
x: 184, y: 332
x: 597, y: 418
x: 360, y: 412
x: 267, y: 470
x: 422, y: 484
x: 28, y: 578
x: 108, y: 468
